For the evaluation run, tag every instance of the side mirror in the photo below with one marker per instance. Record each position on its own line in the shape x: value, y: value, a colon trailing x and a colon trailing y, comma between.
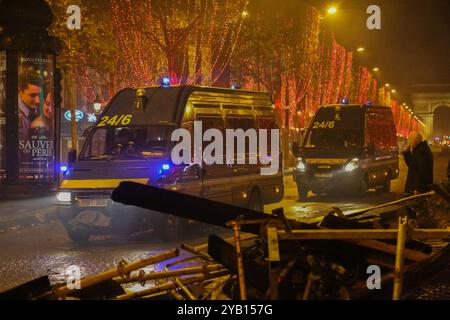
x: 72, y: 157
x: 295, y: 148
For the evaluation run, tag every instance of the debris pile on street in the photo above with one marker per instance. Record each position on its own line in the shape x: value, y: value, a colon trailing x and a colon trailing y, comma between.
x: 272, y: 257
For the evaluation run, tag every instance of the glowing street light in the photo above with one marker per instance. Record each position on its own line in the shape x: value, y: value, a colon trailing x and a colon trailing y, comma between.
x: 245, y: 14
x: 376, y: 69
x: 393, y: 91
x: 97, y: 105
x: 387, y: 85
x: 360, y: 49
x: 332, y: 10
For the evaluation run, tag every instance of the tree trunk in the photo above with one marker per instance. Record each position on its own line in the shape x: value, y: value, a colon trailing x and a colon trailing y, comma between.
x: 171, y: 65
x: 111, y: 86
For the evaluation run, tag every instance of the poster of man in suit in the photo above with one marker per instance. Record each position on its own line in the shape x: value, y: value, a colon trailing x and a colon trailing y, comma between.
x: 36, y: 113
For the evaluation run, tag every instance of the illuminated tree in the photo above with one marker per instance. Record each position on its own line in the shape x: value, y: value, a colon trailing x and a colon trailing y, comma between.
x: 266, y: 46
x: 89, y: 56
x: 278, y: 53
x: 132, y: 43
x: 192, y: 41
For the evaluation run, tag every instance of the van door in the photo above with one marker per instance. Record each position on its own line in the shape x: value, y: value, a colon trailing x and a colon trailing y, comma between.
x: 216, y: 177
x: 246, y: 175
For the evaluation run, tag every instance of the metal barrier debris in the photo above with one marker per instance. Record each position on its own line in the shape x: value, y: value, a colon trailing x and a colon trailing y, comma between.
x: 272, y: 257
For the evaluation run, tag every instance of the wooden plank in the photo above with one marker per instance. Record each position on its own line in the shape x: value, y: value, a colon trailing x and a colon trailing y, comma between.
x: 399, y: 258
x: 335, y: 234
x: 29, y: 290
x: 381, y: 259
x: 197, y: 249
x: 415, y: 197
x: 272, y: 244
x: 415, y: 274
x: 389, y: 248
x: 430, y: 234
x: 363, y: 234
x: 358, y: 212
x: 440, y: 191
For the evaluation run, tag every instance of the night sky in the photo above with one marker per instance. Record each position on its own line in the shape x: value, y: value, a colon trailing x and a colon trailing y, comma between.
x: 412, y: 47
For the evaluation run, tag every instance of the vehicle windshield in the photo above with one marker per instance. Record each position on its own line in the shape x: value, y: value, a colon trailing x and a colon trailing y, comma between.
x: 334, y: 138
x: 127, y: 142
x: 336, y: 128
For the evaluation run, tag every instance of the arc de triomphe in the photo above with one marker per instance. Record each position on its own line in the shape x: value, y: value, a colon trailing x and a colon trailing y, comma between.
x: 426, y: 98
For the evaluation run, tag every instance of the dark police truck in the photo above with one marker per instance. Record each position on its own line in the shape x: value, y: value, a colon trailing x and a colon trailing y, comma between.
x: 132, y: 142
x: 347, y: 147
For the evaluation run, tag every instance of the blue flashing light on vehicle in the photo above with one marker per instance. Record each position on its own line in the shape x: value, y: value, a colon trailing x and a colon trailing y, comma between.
x: 165, y: 168
x: 165, y: 82
x: 63, y: 168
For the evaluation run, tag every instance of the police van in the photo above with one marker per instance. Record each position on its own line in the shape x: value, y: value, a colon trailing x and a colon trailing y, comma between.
x: 131, y: 141
x: 347, y: 147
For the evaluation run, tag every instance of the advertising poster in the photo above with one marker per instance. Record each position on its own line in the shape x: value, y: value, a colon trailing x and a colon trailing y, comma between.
x: 36, y: 113
x: 2, y: 114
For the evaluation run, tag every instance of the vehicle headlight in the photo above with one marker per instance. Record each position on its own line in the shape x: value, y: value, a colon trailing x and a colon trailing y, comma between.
x: 301, y: 166
x: 352, y: 165
x: 63, y: 196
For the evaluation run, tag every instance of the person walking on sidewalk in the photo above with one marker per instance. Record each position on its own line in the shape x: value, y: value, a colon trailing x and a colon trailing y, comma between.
x: 419, y: 159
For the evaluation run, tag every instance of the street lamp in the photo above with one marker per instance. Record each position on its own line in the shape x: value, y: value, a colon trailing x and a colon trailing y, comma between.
x: 393, y: 91
x: 332, y: 10
x: 376, y: 69
x: 387, y: 85
x: 245, y: 14
x: 360, y: 49
x: 97, y: 105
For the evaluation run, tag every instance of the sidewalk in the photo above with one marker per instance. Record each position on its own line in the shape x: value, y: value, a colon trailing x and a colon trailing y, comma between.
x: 24, y: 205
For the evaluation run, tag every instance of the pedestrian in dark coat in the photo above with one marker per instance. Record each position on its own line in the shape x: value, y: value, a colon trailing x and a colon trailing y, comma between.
x: 419, y: 159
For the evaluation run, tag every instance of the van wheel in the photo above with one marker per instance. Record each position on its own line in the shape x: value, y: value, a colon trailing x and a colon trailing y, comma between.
x: 255, y: 202
x: 302, y: 192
